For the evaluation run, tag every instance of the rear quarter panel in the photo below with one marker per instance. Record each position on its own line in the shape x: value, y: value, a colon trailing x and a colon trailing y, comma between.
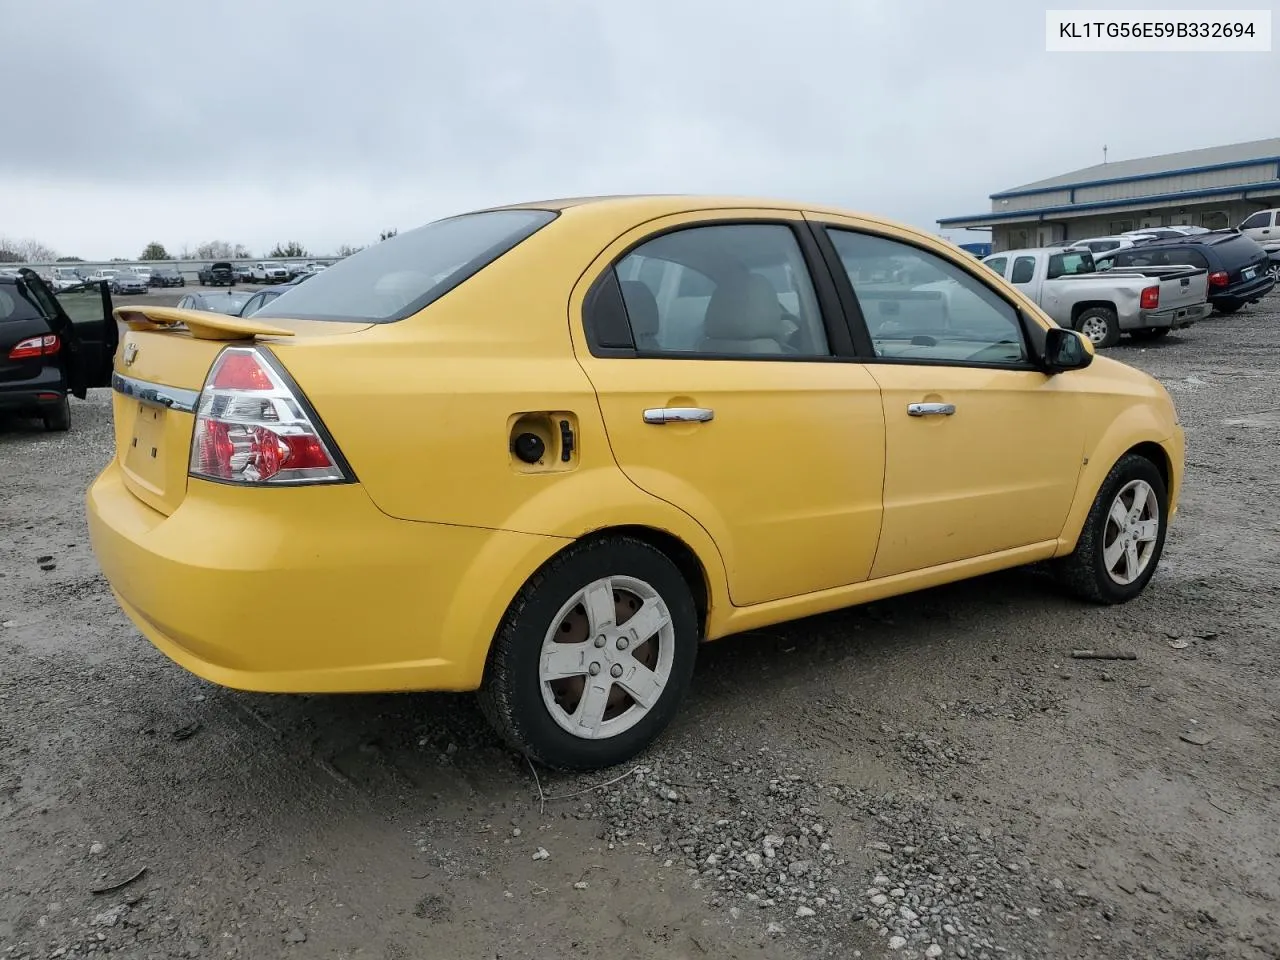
x: 422, y: 408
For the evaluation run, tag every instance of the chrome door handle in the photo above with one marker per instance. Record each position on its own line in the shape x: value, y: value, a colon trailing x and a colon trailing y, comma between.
x: 930, y: 409
x: 661, y: 415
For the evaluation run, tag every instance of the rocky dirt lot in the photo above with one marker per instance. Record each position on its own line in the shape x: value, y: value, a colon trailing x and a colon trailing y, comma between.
x: 931, y: 776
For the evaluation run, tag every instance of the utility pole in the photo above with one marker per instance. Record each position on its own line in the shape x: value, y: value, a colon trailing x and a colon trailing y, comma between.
x: 1104, y: 153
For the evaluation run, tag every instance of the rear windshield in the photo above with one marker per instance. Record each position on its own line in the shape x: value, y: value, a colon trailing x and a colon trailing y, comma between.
x: 397, y: 277
x: 1238, y: 251
x: 1070, y: 262
x: 15, y: 304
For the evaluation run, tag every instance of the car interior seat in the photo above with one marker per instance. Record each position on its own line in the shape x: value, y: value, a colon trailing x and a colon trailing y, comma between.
x: 744, y: 316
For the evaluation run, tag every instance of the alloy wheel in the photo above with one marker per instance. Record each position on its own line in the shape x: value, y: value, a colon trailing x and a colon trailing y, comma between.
x: 1133, y: 525
x: 607, y: 657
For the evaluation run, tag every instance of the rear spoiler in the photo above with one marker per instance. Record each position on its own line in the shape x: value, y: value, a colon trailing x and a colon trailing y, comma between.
x: 202, y: 324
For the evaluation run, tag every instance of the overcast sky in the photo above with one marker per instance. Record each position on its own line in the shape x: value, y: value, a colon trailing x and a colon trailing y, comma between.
x: 327, y: 120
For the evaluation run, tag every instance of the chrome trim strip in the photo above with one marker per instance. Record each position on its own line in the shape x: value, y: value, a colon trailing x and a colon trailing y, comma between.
x: 155, y: 394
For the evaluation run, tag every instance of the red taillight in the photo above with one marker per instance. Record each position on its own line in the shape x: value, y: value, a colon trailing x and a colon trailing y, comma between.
x: 241, y: 371
x: 253, y: 427
x: 1150, y: 298
x: 1218, y: 278
x: 45, y: 346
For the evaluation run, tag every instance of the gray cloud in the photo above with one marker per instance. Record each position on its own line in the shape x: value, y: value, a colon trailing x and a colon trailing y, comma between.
x: 329, y: 119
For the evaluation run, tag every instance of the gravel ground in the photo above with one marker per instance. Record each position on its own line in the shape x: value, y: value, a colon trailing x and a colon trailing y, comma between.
x: 929, y: 776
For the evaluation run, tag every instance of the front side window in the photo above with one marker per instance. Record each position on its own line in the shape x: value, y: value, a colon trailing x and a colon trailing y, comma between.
x: 397, y: 277
x: 923, y: 307
x: 1256, y: 221
x: 724, y: 290
x: 1024, y: 270
x: 997, y: 264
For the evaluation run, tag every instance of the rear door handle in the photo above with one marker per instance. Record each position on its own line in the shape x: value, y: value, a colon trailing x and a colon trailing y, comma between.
x: 661, y: 415
x: 930, y: 409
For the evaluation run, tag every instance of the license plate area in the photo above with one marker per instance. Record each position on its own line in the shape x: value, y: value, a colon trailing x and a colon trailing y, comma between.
x: 145, y: 457
x: 1248, y: 273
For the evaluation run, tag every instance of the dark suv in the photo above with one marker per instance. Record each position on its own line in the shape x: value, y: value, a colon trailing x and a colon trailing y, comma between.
x: 52, y: 345
x: 217, y: 274
x: 1238, y: 266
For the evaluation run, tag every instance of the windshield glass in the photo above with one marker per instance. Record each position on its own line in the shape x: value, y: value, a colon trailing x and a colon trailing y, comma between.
x: 399, y: 276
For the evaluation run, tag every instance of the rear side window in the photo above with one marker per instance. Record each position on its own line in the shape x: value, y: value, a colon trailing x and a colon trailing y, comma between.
x: 14, y: 305
x: 1070, y: 262
x: 396, y: 278
x: 1186, y: 257
x: 1024, y: 269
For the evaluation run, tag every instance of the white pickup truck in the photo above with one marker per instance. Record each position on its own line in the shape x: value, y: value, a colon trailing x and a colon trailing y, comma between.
x: 1144, y: 302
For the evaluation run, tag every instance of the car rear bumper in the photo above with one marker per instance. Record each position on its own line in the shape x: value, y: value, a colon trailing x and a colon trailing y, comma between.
x: 1173, y: 318
x: 1244, y: 293
x: 243, y: 587
x: 33, y: 394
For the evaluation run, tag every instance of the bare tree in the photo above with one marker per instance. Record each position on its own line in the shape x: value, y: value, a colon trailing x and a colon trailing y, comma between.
x: 387, y: 234
x: 291, y: 249
x: 25, y: 251
x: 218, y: 250
x: 347, y: 250
x: 242, y: 252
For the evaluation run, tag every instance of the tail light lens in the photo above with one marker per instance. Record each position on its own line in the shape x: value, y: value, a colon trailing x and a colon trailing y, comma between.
x: 45, y: 346
x: 1218, y: 278
x: 1150, y: 298
x: 254, y: 426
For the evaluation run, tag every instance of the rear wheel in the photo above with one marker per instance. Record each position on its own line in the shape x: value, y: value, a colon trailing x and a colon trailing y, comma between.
x: 1273, y: 271
x: 1151, y: 333
x: 1123, y: 536
x: 1100, y: 325
x: 593, y: 656
x: 58, y: 417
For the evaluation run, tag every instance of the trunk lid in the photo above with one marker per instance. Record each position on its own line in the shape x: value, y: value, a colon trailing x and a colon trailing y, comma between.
x: 1185, y: 289
x: 165, y: 355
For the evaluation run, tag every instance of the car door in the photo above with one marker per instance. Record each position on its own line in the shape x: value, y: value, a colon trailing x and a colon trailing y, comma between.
x: 81, y: 315
x: 1024, y: 276
x: 982, y: 449
x: 1258, y: 226
x: 728, y: 388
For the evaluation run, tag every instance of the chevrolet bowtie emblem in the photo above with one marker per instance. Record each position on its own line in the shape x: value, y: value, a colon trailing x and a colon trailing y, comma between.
x: 130, y: 353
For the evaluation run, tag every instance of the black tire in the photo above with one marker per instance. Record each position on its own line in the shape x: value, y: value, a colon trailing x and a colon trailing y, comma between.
x: 1226, y: 309
x: 1084, y: 572
x: 58, y: 419
x: 511, y: 695
x: 1151, y: 333
x: 1108, y: 318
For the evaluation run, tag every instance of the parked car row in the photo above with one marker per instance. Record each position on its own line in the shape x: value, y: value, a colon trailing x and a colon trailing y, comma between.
x: 236, y: 303
x: 1143, y: 288
x: 1262, y: 227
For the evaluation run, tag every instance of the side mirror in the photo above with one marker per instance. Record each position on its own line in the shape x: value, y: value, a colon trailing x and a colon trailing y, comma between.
x: 1066, y: 350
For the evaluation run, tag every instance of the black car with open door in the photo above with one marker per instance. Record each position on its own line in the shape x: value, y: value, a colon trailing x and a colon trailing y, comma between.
x: 53, y: 345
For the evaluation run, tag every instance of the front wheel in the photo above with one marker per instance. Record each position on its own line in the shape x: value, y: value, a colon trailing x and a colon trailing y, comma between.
x: 594, y: 655
x: 1123, y: 536
x: 1100, y: 325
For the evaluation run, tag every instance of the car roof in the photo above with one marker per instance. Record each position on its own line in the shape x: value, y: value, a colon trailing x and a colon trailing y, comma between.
x: 639, y: 207
x: 1198, y: 239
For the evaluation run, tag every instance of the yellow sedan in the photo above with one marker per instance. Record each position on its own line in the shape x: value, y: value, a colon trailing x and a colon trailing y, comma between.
x: 543, y: 451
